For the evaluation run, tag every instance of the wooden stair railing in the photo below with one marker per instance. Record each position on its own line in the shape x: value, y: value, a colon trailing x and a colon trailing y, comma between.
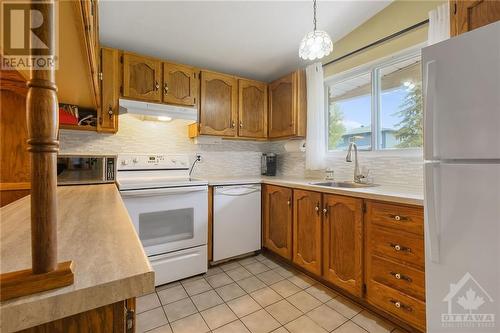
x: 42, y: 115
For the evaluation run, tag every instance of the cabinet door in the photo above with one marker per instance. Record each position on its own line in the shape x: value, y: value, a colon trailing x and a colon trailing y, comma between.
x: 218, y: 109
x: 307, y: 230
x: 343, y: 242
x: 110, y: 90
x: 467, y: 15
x: 277, y: 208
x: 252, y: 109
x: 281, y: 100
x: 287, y: 106
x: 179, y: 84
x: 141, y: 78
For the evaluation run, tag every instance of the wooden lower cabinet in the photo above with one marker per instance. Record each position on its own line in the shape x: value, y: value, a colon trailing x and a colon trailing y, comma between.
x: 118, y: 317
x: 277, y: 219
x: 395, y: 277
x: 372, y: 250
x: 307, y: 230
x: 343, y: 242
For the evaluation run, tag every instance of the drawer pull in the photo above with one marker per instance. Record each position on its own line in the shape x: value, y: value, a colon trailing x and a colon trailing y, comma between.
x: 400, y: 248
x: 399, y: 218
x: 401, y: 306
x: 400, y: 276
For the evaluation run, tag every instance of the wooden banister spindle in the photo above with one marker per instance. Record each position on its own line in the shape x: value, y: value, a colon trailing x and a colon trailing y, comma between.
x: 42, y: 114
x: 46, y: 272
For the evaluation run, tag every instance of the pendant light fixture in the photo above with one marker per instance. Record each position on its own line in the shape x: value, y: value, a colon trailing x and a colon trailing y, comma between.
x: 316, y: 44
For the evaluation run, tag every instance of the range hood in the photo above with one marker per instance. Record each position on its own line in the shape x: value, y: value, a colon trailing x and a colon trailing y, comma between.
x: 158, y: 110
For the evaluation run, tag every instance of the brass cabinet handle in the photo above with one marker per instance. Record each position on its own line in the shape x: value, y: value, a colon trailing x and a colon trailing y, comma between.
x: 165, y: 88
x: 241, y: 124
x: 157, y: 86
x: 399, y: 276
x: 110, y: 112
x: 400, y: 248
x: 399, y: 218
x: 400, y: 305
x: 233, y: 124
x: 289, y: 202
x: 325, y: 211
x: 317, y: 208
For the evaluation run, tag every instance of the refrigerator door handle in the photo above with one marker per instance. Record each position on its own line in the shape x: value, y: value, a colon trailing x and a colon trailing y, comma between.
x: 430, y: 151
x: 431, y: 211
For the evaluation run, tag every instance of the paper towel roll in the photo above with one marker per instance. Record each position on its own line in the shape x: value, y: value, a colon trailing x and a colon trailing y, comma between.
x: 294, y: 146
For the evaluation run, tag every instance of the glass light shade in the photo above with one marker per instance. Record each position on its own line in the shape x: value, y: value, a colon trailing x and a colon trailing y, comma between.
x: 315, y: 45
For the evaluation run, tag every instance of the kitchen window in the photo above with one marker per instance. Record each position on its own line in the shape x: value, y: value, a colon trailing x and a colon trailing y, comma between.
x: 384, y: 98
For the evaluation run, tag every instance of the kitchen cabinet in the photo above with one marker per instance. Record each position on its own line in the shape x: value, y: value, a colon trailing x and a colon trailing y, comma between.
x: 252, y: 109
x: 287, y: 106
x: 307, y: 214
x: 141, y: 77
x: 467, y: 15
x: 113, y: 318
x: 110, y: 90
x: 219, y: 103
x: 88, y: 23
x: 180, y: 84
x: 343, y: 242
x: 277, y: 219
x: 395, y: 277
x: 15, y: 173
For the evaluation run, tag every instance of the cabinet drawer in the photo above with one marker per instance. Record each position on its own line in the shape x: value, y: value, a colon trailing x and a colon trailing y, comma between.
x: 403, y: 278
x: 398, y: 245
x: 398, y: 304
x: 409, y: 219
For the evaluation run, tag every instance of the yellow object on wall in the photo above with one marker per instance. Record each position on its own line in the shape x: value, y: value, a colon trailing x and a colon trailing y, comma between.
x: 397, y: 16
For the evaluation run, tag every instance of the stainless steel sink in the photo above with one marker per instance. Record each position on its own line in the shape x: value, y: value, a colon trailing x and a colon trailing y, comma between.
x: 344, y: 184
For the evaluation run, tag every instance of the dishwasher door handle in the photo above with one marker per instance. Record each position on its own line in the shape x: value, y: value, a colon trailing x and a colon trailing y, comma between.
x: 236, y: 191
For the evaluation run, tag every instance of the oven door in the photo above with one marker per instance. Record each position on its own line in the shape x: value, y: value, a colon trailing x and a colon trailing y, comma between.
x: 169, y: 219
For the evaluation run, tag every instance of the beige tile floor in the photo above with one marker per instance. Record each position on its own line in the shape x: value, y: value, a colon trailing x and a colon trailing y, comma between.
x: 253, y: 295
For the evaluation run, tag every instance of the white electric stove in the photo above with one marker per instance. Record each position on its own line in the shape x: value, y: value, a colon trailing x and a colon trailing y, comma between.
x: 169, y: 211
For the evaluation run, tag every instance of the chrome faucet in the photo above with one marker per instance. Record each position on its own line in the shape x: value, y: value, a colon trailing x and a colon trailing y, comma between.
x: 357, y: 174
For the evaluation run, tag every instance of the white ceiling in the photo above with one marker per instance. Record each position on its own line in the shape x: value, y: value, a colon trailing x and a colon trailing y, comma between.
x: 254, y: 39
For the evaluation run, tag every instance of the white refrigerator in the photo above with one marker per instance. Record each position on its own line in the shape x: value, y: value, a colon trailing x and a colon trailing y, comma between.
x: 462, y: 182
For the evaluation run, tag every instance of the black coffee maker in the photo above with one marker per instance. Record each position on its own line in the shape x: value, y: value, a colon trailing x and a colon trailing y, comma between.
x: 268, y: 164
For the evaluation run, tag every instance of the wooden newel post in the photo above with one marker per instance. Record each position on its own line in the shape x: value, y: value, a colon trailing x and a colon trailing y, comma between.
x: 42, y: 114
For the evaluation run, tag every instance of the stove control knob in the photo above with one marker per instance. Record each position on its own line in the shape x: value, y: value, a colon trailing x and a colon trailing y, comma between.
x: 135, y: 160
x: 124, y: 162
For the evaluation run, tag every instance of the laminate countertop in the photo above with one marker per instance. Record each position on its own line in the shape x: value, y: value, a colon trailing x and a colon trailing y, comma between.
x: 395, y: 194
x: 96, y: 233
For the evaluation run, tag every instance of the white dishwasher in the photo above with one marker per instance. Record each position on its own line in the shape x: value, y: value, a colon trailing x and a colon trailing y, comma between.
x: 237, y: 220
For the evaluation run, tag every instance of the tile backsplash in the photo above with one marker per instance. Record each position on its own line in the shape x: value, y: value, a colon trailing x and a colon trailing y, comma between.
x: 231, y: 158
x: 224, y: 158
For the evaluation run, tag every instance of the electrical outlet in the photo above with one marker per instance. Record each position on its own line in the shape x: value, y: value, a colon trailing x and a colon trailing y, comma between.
x: 198, y: 157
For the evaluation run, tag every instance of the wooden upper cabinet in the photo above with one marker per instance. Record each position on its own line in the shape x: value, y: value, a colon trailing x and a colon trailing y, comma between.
x: 179, y: 84
x: 277, y: 208
x: 307, y: 230
x: 467, y: 15
x: 219, y: 104
x: 287, y: 106
x: 252, y: 109
x: 343, y: 242
x: 141, y: 77
x: 110, y: 90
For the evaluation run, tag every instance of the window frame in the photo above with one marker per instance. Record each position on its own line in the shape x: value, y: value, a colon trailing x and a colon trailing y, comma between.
x: 373, y: 68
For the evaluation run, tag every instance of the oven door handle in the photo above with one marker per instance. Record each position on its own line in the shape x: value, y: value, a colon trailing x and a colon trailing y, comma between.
x: 162, y: 191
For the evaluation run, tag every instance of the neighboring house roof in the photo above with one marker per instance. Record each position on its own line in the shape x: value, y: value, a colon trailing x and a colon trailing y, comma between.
x: 455, y: 287
x: 365, y: 130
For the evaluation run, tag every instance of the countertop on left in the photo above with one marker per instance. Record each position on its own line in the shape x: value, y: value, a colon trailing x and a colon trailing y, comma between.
x: 96, y: 233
